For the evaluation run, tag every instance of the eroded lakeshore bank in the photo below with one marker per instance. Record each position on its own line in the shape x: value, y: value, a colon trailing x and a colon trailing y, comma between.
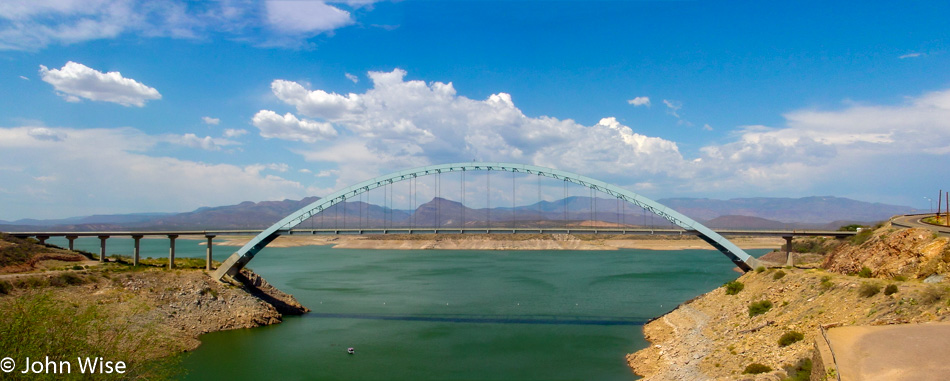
x: 773, y: 317
x: 61, y: 304
x: 505, y: 242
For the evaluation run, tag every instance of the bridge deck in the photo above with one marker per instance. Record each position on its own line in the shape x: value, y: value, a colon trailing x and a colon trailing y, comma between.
x: 404, y: 230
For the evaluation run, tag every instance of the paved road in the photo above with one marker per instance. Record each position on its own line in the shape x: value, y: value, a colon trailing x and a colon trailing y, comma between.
x: 913, y: 221
x: 893, y: 352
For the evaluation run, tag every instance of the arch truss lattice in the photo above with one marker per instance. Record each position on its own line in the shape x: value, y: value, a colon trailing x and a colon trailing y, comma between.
x: 239, y: 259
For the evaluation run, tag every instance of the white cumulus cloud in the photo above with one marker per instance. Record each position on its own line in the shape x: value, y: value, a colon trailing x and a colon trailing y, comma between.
x: 233, y: 133
x: 33, y: 25
x: 305, y: 16
x: 210, y: 120
x: 640, y: 101
x: 352, y: 77
x: 288, y: 127
x: 115, y: 171
x: 76, y: 80
x: 401, y: 123
x: 206, y: 143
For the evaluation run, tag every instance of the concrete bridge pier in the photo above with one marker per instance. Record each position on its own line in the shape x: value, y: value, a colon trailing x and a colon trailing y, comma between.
x: 171, y: 250
x: 135, y: 250
x: 208, y: 249
x: 42, y: 239
x: 102, y: 248
x: 71, y: 238
x: 789, y: 261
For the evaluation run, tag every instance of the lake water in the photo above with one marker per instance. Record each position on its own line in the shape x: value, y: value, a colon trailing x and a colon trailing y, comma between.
x: 450, y: 315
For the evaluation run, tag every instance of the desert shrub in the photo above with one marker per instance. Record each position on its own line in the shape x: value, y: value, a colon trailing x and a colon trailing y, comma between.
x: 760, y: 307
x: 900, y: 278
x: 5, y: 287
x: 30, y: 282
x: 890, y: 289
x: 826, y: 283
x: 760, y: 269
x: 38, y: 325
x: 790, y: 337
x: 756, y: 368
x: 850, y: 228
x: 862, y: 237
x: 70, y: 279
x: 932, y: 294
x: 865, y: 272
x: 77, y: 267
x: 801, y: 371
x: 868, y: 290
x: 778, y: 275
x: 733, y: 287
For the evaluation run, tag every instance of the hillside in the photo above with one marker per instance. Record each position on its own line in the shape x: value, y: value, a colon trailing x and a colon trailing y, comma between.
x: 812, y: 210
x: 753, y: 213
x: 61, y: 304
x: 717, y: 335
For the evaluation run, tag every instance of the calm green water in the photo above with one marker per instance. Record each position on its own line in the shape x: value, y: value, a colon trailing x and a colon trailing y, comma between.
x: 450, y: 315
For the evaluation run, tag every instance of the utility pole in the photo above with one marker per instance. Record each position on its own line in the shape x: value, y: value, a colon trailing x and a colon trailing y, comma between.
x: 939, y: 202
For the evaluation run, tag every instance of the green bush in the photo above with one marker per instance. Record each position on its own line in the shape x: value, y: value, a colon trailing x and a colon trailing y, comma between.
x: 868, y: 290
x: 933, y: 294
x: 65, y: 279
x: 862, y: 237
x: 801, y: 372
x: 890, y: 289
x: 850, y: 228
x: 760, y: 269
x: 778, y: 275
x: 733, y: 287
x: 865, y: 272
x: 790, y: 337
x: 5, y: 287
x: 760, y: 307
x: 756, y: 368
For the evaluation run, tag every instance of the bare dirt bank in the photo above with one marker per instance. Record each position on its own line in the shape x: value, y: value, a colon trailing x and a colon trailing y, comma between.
x: 714, y: 336
x: 507, y: 242
x: 133, y: 314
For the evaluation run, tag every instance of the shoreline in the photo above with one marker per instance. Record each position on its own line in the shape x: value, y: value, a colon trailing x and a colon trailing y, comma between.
x: 506, y: 242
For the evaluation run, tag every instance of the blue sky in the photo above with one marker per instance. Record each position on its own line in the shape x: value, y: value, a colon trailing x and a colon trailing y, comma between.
x: 119, y: 106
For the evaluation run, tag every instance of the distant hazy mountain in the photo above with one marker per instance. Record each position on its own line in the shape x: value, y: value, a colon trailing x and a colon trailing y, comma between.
x: 760, y: 213
x: 811, y: 210
x: 95, y: 219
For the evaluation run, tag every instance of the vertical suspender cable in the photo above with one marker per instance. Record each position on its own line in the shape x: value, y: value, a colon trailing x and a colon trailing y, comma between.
x: 564, y: 201
x: 512, y: 200
x: 593, y: 213
x: 539, y: 201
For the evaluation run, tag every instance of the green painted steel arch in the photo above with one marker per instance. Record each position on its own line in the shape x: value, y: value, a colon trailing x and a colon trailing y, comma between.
x: 240, y: 258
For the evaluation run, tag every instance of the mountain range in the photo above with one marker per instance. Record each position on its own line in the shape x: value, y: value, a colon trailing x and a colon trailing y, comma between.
x: 750, y: 213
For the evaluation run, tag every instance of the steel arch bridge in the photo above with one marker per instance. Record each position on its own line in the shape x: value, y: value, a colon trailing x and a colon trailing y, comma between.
x: 239, y: 259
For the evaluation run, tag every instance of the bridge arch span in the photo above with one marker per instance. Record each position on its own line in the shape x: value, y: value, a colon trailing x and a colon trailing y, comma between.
x: 239, y: 259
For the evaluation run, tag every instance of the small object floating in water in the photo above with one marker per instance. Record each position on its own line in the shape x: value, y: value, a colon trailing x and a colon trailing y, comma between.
x: 350, y: 350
